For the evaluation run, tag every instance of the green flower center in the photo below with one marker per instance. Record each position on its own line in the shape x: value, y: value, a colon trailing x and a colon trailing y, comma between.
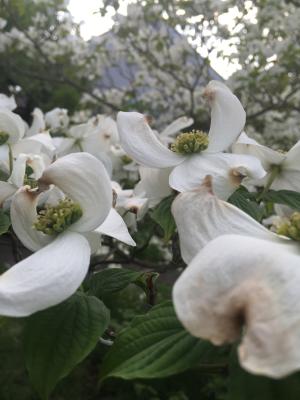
x: 190, y: 142
x: 28, y: 181
x: 56, y: 219
x: 126, y: 159
x: 291, y: 228
x: 3, y: 137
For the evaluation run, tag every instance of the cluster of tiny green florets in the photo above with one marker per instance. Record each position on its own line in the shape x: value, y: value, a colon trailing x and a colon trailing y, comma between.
x: 33, y: 183
x: 126, y: 160
x: 291, y: 228
x: 190, y: 142
x: 3, y: 137
x: 56, y: 219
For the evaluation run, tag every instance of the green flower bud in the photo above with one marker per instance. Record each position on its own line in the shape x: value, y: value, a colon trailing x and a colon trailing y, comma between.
x: 190, y: 142
x: 126, y: 160
x: 3, y: 137
x: 56, y: 219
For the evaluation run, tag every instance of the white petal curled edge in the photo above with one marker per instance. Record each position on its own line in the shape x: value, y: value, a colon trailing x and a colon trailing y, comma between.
x: 201, y: 217
x: 46, y: 278
x: 242, y: 286
x: 84, y: 179
x: 228, y: 116
x: 228, y: 172
x: 23, y: 215
x: 115, y: 227
x: 267, y: 156
x: 140, y: 142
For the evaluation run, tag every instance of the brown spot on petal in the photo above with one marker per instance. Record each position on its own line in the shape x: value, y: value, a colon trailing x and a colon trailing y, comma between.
x: 236, y: 177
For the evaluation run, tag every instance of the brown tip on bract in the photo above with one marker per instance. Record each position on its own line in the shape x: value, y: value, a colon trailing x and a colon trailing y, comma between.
x: 236, y: 176
x: 209, y: 94
x: 148, y: 119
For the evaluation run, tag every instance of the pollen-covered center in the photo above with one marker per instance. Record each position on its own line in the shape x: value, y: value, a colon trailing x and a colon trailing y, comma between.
x: 190, y: 142
x: 3, y: 137
x: 56, y: 219
x: 290, y: 227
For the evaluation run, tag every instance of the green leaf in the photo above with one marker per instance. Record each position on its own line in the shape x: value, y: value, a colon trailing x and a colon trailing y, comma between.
x: 111, y: 281
x: 163, y: 217
x: 245, y: 386
x: 57, y: 339
x: 155, y: 345
x: 240, y: 198
x: 287, y: 197
x: 4, y: 222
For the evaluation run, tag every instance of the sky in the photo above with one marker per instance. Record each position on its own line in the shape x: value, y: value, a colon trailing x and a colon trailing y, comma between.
x: 93, y: 24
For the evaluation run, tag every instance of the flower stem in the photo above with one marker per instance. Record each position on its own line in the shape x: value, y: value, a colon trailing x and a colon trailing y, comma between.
x: 11, y: 159
x: 274, y: 173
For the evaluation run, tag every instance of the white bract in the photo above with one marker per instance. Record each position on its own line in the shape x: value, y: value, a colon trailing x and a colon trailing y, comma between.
x: 283, y: 170
x: 239, y: 286
x: 12, y: 127
x: 38, y: 123
x: 227, y: 121
x: 7, y: 102
x: 57, y: 119
x: 242, y: 281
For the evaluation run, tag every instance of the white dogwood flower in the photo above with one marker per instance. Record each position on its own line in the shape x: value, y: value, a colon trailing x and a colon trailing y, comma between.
x: 58, y: 233
x: 195, y: 154
x: 57, y: 119
x: 283, y: 169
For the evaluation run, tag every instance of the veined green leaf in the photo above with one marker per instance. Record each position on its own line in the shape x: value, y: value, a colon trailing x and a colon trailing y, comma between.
x: 163, y: 217
x: 240, y: 198
x: 287, y: 197
x: 111, y: 280
x: 155, y: 346
x: 57, y: 339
